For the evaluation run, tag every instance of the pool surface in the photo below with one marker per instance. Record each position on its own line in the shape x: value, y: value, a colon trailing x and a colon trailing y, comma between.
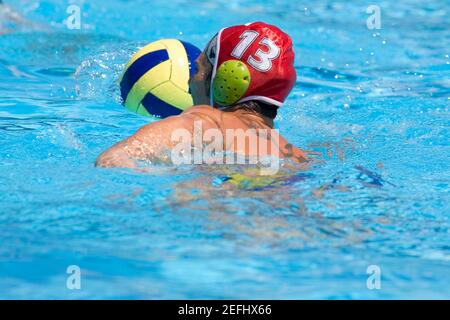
x: 372, y: 103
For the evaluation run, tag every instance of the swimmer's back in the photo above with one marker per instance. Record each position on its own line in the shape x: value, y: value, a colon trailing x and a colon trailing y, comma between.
x: 154, y: 139
x: 244, y: 120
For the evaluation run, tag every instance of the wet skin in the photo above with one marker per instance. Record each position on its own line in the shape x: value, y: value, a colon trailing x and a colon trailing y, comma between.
x: 153, y: 140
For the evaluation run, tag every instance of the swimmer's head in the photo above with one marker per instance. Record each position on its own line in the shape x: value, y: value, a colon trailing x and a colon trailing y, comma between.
x: 200, y: 83
x: 252, y: 62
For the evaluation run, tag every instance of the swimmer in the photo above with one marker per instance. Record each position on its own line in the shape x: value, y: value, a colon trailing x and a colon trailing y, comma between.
x: 260, y: 54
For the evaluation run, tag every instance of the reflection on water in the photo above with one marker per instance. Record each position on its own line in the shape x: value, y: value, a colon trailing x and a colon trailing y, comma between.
x: 370, y: 107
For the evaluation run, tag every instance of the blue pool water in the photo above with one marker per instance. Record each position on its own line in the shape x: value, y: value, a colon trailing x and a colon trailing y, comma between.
x: 373, y: 103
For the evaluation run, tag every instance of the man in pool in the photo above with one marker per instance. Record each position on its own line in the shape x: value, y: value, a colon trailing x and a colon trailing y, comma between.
x: 243, y: 77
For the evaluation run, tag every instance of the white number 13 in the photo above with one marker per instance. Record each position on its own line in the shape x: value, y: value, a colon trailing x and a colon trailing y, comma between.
x: 264, y: 63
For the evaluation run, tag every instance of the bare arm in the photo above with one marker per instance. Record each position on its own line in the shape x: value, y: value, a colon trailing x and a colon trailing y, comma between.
x: 149, y: 141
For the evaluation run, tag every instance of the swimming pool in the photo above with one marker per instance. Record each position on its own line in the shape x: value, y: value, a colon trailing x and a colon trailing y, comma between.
x: 373, y: 103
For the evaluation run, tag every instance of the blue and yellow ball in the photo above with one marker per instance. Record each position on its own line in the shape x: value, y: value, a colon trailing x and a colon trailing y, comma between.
x: 155, y: 81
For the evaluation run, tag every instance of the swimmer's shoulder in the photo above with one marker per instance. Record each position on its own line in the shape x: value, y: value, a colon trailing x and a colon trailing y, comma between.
x: 292, y: 152
x: 206, y: 113
x: 217, y: 115
x: 202, y: 109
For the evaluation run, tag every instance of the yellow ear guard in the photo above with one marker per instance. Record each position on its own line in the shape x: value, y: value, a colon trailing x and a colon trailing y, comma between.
x: 231, y: 82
